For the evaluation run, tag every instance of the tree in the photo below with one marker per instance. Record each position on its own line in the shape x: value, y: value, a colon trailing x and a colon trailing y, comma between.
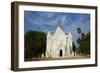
x: 79, y: 31
x: 35, y: 44
x: 74, y: 48
x: 84, y: 44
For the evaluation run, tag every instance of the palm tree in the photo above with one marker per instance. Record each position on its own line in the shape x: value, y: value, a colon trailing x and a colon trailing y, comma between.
x: 78, y: 40
x: 79, y: 31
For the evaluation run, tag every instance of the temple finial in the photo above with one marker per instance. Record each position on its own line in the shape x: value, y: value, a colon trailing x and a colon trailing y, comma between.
x: 59, y: 23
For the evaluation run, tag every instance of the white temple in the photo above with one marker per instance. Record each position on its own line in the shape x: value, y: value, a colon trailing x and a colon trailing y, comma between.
x: 58, y: 44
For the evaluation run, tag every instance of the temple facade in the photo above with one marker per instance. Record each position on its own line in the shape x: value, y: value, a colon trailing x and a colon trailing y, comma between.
x: 58, y: 44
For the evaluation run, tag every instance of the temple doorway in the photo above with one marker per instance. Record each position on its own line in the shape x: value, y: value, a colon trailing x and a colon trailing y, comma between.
x: 60, y: 53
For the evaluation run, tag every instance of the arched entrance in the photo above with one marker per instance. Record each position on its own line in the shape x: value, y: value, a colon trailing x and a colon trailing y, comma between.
x: 60, y: 54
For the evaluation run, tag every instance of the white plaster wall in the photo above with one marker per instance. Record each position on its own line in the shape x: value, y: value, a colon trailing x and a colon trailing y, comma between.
x: 58, y: 41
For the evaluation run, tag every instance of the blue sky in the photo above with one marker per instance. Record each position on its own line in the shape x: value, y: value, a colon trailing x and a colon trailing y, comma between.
x: 44, y: 21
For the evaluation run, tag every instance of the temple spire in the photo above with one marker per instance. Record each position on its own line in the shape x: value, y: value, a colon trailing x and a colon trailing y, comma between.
x: 59, y: 23
x: 48, y: 30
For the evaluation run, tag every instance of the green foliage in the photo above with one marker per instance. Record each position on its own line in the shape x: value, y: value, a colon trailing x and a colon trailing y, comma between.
x: 74, y: 47
x: 84, y: 44
x: 35, y: 44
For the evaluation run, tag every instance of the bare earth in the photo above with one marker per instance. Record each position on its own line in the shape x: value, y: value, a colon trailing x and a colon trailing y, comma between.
x: 60, y: 58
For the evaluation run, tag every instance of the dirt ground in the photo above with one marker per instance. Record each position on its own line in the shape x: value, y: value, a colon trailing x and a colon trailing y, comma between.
x: 60, y: 58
